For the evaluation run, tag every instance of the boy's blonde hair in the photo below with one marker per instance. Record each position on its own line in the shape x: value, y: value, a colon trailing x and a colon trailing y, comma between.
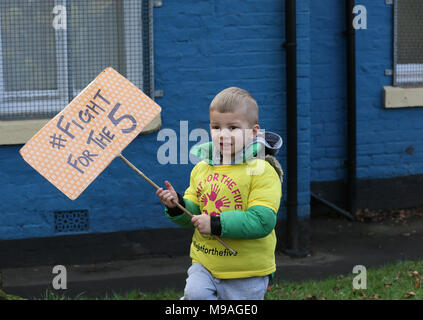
x: 232, y: 98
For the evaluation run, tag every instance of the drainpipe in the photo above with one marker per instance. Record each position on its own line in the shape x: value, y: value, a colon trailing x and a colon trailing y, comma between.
x: 352, y: 107
x: 69, y: 51
x: 291, y: 115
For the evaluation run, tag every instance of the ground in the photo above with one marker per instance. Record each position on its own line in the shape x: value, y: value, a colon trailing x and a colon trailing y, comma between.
x: 336, y: 246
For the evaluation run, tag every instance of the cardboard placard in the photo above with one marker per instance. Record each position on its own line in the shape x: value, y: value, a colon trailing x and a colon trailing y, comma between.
x: 74, y: 147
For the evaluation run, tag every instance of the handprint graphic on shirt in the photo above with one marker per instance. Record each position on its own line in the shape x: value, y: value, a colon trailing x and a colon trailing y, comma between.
x: 222, y: 202
x: 213, y: 194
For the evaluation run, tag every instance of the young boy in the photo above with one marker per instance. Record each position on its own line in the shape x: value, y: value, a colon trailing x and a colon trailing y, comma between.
x: 232, y: 194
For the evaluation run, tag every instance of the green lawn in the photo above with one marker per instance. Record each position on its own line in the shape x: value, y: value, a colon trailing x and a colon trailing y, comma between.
x: 392, y: 282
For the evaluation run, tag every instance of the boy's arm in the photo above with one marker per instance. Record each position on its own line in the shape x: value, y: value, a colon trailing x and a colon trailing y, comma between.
x: 175, y: 214
x: 256, y: 222
x: 263, y: 203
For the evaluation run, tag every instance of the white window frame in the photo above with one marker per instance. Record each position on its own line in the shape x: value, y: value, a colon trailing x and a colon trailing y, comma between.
x: 408, y: 74
x: 20, y: 100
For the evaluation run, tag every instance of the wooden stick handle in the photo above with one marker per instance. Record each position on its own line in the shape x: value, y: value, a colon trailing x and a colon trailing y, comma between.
x: 138, y: 171
x: 175, y: 201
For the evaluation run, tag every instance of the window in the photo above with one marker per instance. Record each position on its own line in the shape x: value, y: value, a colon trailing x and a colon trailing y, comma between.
x: 45, y: 64
x: 408, y: 43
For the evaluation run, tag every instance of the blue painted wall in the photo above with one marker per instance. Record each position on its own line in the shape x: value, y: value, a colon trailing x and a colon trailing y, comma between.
x: 382, y: 135
x: 328, y: 90
x: 201, y: 47
x: 304, y: 104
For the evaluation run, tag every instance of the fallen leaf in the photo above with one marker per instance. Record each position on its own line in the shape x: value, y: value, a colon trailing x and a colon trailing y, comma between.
x: 417, y: 283
x: 413, y: 274
x: 310, y: 297
x: 410, y: 294
x: 388, y: 285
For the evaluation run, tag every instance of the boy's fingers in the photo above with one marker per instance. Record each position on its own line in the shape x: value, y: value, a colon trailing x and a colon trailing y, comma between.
x: 162, y: 193
x: 169, y: 186
x: 165, y: 196
x: 168, y: 197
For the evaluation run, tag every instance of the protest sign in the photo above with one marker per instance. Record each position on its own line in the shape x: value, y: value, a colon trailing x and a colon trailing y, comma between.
x: 74, y: 147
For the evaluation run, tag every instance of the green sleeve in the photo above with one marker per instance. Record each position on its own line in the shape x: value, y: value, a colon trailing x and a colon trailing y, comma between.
x: 256, y: 222
x: 183, y: 219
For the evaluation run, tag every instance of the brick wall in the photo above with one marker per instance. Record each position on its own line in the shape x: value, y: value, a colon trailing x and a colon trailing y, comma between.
x: 304, y: 104
x: 388, y: 141
x: 328, y: 90
x: 201, y: 47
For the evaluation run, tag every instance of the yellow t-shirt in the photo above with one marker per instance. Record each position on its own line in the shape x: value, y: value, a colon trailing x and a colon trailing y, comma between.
x: 216, y: 189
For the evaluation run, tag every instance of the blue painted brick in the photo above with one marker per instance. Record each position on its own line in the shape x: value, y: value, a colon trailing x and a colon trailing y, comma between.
x: 201, y: 47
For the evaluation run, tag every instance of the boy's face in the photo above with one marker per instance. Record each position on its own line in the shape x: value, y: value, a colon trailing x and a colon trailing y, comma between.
x: 231, y: 131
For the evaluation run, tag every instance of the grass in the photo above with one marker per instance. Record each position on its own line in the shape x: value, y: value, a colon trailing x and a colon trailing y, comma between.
x: 168, y: 294
x: 391, y: 282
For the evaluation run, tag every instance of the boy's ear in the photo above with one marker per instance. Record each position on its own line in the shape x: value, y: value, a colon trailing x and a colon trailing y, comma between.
x: 256, y: 129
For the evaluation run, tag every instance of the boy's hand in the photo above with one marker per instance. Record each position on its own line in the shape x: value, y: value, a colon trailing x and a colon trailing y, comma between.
x: 167, y: 196
x: 202, y: 223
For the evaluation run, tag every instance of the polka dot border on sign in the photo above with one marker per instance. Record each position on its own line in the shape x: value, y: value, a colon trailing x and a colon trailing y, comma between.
x: 63, y: 152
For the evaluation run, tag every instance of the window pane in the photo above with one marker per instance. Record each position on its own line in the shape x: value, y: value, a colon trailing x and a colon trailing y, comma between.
x: 96, y: 39
x: 28, y: 45
x: 410, y: 31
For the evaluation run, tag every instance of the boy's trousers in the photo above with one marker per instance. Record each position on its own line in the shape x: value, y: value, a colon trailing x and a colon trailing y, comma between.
x: 201, y: 285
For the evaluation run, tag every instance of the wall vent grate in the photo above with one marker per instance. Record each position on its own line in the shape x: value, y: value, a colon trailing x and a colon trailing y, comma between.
x: 71, y: 221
